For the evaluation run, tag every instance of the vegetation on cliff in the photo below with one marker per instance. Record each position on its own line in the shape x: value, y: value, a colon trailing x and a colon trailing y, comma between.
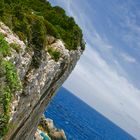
x: 32, y: 20
x: 9, y: 85
x: 4, y: 46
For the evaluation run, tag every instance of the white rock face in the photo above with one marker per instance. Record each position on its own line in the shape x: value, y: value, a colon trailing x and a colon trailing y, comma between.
x: 39, y: 84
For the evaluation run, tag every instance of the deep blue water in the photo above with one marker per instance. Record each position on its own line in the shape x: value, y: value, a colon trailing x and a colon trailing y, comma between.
x: 80, y: 121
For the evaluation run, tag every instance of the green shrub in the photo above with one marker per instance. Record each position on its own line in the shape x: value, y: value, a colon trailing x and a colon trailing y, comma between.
x: 54, y: 54
x: 7, y: 89
x: 37, y: 39
x: 51, y: 30
x: 6, y: 100
x: 11, y: 76
x: 1, y: 7
x: 4, y: 119
x: 24, y: 17
x: 4, y: 46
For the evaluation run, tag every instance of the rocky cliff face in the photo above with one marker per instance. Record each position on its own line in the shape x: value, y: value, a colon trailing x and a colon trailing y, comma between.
x: 38, y: 85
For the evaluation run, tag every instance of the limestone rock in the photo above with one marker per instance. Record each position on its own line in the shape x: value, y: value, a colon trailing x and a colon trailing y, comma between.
x: 39, y: 84
x: 48, y: 126
x: 57, y: 135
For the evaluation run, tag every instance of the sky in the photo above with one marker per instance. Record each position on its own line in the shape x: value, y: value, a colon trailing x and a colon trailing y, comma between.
x: 107, y: 75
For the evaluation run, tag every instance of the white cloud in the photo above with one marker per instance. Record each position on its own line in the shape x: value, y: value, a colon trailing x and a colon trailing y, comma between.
x: 97, y: 81
x: 129, y: 22
x: 128, y: 58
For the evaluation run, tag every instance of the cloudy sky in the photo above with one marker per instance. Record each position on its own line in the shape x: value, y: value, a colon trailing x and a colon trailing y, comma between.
x: 108, y: 74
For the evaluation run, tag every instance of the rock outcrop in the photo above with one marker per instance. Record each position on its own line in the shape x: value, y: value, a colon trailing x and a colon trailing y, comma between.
x: 38, y: 85
x: 47, y: 127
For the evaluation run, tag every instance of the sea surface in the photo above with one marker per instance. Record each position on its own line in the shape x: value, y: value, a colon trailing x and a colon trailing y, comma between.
x: 80, y: 121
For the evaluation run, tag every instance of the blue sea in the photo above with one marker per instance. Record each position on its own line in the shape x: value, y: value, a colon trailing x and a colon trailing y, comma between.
x: 80, y: 121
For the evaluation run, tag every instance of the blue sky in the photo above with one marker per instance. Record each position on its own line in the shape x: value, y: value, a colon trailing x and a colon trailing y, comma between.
x: 107, y: 76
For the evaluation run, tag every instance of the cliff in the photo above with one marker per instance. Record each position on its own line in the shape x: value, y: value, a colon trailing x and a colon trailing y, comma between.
x: 39, y: 47
x: 36, y: 86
